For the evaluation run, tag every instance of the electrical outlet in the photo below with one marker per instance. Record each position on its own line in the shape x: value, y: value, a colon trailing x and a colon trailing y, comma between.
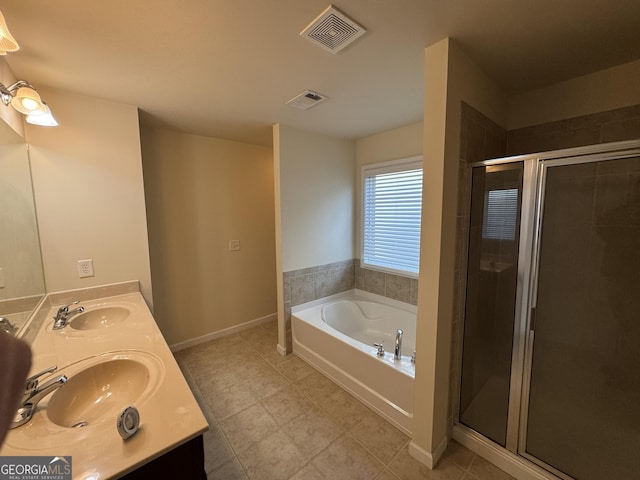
x: 234, y: 245
x: 85, y: 268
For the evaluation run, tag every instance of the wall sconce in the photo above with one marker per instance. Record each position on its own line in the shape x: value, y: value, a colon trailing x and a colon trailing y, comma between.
x: 23, y: 97
x: 7, y: 42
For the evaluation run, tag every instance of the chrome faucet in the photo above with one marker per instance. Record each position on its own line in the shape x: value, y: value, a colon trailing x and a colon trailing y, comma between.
x: 33, y: 393
x: 62, y: 317
x: 397, y: 351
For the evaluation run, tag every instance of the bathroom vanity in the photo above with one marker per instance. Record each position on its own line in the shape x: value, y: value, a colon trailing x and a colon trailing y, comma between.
x: 112, y: 356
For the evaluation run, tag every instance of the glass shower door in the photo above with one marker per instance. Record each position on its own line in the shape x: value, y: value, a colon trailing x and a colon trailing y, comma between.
x: 583, y: 416
x: 492, y: 274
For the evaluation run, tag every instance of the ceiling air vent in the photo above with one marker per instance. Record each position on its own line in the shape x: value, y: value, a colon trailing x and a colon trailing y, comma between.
x: 332, y: 30
x: 306, y: 100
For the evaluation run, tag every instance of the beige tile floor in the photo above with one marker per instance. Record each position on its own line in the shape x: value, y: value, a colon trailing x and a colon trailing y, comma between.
x: 276, y: 418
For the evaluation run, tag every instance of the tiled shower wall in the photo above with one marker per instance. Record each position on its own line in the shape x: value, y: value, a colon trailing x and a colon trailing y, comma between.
x: 604, y: 127
x: 482, y: 139
x: 308, y: 284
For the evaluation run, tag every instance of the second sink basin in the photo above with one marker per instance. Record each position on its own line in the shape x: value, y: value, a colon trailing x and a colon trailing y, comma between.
x: 99, y: 318
x: 101, y: 391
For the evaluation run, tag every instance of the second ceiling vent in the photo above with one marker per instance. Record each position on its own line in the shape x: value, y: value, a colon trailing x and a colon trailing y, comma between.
x: 332, y: 30
x: 306, y: 100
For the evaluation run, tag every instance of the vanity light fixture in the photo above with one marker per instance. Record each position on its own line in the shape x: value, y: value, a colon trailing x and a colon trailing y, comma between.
x: 23, y: 97
x: 7, y: 42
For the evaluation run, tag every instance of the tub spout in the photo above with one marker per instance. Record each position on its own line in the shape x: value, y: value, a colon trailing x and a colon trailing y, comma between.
x: 397, y: 352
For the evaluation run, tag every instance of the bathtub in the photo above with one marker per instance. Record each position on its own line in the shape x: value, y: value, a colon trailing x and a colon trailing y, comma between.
x: 336, y: 335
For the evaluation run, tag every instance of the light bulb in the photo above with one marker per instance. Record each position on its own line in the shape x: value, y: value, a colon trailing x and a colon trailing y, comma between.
x: 30, y: 104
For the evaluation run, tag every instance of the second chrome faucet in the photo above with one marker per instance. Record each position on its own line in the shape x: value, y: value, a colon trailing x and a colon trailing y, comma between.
x: 62, y: 317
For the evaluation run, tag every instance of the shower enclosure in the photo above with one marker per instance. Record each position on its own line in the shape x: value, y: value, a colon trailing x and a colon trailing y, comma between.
x: 551, y: 347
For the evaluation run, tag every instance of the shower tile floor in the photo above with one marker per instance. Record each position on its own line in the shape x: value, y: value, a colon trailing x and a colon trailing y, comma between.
x: 276, y: 418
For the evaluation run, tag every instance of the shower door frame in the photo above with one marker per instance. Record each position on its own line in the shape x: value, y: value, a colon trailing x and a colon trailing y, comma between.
x: 513, y: 456
x: 616, y: 151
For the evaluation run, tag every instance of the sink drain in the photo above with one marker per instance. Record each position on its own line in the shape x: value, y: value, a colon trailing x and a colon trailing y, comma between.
x: 79, y: 424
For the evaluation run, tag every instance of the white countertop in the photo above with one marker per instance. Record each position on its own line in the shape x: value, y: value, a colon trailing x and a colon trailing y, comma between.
x: 169, y: 414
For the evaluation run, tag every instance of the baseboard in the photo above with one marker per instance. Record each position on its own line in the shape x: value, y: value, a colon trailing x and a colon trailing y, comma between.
x: 427, y: 458
x: 515, y: 465
x: 176, y: 347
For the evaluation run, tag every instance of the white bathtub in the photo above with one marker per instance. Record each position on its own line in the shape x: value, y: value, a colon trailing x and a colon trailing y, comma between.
x: 336, y: 335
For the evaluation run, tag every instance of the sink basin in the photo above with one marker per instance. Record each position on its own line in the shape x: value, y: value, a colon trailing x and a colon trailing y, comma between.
x: 99, y: 318
x: 98, y: 393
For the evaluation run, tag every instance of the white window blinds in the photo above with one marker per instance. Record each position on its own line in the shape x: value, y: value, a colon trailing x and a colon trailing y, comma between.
x: 392, y: 208
x: 500, y: 214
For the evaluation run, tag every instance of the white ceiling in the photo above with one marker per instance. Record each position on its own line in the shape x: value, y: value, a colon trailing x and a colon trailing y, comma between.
x: 224, y: 68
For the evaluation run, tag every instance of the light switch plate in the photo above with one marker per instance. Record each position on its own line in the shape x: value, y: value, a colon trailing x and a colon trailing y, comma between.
x: 234, y: 245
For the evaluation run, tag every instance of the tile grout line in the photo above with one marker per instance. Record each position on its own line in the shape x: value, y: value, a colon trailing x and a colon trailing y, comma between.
x: 280, y: 427
x: 347, y: 430
x: 224, y: 435
x: 344, y: 430
x: 217, y: 421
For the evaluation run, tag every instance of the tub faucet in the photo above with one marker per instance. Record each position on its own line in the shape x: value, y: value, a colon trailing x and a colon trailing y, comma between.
x: 397, y: 352
x: 33, y: 393
x: 62, y: 317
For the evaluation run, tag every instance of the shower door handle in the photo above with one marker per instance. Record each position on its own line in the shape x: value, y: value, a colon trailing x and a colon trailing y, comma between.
x: 532, y: 319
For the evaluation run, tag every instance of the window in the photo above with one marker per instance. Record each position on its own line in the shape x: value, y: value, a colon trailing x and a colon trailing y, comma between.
x: 500, y: 214
x: 391, y: 211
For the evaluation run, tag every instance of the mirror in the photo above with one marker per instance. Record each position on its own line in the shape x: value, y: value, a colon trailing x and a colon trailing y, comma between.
x: 21, y: 273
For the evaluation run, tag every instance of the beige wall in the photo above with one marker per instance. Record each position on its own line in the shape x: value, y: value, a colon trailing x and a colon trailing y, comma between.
x: 317, y: 179
x: 87, y: 176
x: 202, y: 192
x: 314, y: 200
x: 608, y: 89
x: 400, y: 142
x: 450, y: 78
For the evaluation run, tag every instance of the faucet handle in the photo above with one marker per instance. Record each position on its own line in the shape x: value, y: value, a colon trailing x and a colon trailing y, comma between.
x: 32, y: 382
x: 65, y: 308
x: 380, y: 346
